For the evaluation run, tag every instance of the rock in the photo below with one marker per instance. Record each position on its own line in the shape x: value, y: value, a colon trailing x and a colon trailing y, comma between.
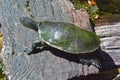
x: 48, y: 64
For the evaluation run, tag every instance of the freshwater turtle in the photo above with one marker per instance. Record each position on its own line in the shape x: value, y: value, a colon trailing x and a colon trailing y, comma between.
x: 63, y: 36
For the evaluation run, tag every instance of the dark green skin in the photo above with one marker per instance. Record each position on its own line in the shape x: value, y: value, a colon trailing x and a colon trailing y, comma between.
x: 64, y: 36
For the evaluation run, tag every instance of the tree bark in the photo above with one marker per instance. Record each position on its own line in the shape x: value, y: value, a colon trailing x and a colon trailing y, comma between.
x: 48, y: 64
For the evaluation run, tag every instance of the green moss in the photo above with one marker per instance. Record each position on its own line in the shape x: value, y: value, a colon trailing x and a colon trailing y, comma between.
x: 66, y: 44
x: 63, y: 43
x: 86, y: 36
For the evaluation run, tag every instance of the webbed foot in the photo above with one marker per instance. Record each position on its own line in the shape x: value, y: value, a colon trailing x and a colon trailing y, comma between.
x: 28, y: 50
x: 35, y: 44
x: 93, y: 62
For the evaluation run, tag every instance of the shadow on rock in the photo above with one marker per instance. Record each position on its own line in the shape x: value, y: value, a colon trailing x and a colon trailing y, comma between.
x: 106, y: 61
x: 108, y: 70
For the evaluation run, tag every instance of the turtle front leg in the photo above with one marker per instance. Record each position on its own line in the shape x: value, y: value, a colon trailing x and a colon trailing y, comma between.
x: 34, y: 46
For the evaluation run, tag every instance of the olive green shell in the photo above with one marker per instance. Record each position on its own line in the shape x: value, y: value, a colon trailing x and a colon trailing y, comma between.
x: 67, y: 37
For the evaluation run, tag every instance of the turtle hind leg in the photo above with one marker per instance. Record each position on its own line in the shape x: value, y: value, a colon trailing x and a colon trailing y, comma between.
x: 94, y: 62
x: 34, y: 46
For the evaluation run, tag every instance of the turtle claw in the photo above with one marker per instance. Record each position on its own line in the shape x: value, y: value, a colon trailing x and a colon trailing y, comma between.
x: 28, y: 50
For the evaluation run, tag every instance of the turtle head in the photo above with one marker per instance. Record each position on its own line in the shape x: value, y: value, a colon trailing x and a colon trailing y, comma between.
x: 29, y: 23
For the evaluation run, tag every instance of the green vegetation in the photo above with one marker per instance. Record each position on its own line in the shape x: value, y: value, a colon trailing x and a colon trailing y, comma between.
x: 102, y: 7
x: 2, y: 76
x: 92, y: 10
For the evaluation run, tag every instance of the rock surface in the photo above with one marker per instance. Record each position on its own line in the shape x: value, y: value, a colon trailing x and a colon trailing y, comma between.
x: 48, y: 64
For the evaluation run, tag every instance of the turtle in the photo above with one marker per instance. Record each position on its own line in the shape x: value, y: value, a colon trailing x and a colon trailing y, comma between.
x: 63, y: 36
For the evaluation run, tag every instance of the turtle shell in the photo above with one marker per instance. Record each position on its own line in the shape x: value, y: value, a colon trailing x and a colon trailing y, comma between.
x: 68, y: 37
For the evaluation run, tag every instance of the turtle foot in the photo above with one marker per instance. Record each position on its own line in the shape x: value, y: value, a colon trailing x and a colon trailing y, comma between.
x: 96, y: 63
x: 93, y: 62
x: 28, y: 50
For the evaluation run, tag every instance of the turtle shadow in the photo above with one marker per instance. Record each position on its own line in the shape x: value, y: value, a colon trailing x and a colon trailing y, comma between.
x: 99, y: 76
x: 107, y: 65
x: 106, y: 61
x: 102, y: 56
x: 59, y: 53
